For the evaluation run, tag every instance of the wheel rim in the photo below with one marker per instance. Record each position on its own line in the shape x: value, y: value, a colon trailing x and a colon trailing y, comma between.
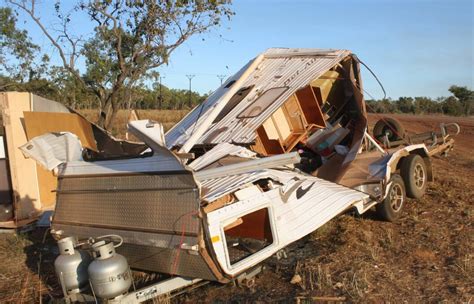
x: 388, y: 131
x: 396, y: 197
x: 419, y: 176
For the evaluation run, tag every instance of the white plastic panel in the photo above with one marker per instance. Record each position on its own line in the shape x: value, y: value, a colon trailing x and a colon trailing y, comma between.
x: 296, y: 209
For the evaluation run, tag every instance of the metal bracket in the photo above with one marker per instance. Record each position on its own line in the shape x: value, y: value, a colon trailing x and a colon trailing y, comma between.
x: 281, y: 254
x: 247, y: 279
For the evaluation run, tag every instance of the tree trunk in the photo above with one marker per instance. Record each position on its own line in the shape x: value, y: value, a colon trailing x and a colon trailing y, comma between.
x: 104, y: 106
x: 112, y: 116
x: 114, y: 106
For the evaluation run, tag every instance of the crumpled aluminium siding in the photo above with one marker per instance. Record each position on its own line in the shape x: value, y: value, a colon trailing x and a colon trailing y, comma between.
x: 218, y: 187
x: 295, y: 212
x: 293, y: 68
x: 187, y: 125
x: 218, y: 152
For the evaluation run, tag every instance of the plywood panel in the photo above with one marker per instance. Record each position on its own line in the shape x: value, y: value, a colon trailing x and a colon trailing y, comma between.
x: 272, y: 147
x: 270, y: 129
x: 39, y: 123
x: 309, y: 105
x: 47, y: 183
x: 295, y: 115
x: 331, y: 170
x: 324, y: 85
x: 23, y: 171
x: 258, y: 146
x: 255, y: 225
x: 280, y: 122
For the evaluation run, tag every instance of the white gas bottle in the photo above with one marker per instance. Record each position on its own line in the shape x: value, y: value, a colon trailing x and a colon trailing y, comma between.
x: 109, y: 273
x: 71, y: 266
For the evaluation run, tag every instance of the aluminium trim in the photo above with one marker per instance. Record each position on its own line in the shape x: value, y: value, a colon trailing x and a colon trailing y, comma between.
x: 121, y: 190
x: 249, y: 166
x: 130, y: 173
x: 196, y: 135
x: 126, y: 228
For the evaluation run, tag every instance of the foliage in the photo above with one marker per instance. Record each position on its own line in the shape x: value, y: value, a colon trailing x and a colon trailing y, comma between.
x: 63, y: 88
x: 465, y: 97
x: 461, y: 103
x: 17, y: 52
x: 129, y: 41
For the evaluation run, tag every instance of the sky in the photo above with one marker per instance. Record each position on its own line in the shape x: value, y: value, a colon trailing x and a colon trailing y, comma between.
x: 415, y: 47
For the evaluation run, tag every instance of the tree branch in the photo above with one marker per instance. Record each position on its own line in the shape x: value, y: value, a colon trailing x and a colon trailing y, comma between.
x: 31, y: 13
x: 116, y: 29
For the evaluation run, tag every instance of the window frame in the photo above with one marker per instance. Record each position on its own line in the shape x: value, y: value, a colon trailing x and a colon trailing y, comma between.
x: 242, y: 263
x: 240, y: 116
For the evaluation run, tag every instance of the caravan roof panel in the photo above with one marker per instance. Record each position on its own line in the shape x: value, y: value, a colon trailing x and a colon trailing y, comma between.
x: 275, y: 68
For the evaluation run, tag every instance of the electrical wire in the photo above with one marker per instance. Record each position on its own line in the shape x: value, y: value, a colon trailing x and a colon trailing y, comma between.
x: 389, y: 125
x: 373, y: 74
x: 181, y: 241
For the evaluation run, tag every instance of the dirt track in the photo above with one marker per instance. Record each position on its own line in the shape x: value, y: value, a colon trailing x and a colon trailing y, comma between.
x: 425, y: 257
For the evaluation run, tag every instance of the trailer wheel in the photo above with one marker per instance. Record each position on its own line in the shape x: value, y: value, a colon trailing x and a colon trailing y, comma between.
x: 390, y: 126
x: 390, y: 208
x: 414, y: 174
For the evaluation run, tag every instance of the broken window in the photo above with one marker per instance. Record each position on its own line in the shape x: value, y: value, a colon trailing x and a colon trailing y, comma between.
x: 248, y: 235
x: 262, y: 103
x: 234, y: 101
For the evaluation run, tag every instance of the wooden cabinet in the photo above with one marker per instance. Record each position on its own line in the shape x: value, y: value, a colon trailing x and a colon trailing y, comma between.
x: 290, y: 124
x: 310, y: 107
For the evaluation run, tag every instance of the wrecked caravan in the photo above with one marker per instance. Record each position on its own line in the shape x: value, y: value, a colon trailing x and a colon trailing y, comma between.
x: 27, y: 190
x: 278, y: 150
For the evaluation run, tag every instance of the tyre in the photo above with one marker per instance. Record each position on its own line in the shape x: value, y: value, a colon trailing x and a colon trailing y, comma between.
x: 390, y: 126
x: 391, y: 207
x: 414, y: 175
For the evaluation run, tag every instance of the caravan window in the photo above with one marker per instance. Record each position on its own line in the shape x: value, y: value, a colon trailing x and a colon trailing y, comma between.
x: 248, y: 235
x: 233, y: 102
x: 262, y: 102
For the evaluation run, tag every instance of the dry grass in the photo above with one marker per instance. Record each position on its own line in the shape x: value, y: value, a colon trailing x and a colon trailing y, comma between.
x: 426, y: 257
x: 167, y: 117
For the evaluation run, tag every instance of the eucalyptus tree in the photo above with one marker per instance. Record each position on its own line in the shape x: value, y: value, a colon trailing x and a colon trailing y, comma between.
x: 130, y: 39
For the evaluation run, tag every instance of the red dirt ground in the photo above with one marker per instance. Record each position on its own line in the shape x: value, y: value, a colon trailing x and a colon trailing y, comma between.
x: 427, y: 256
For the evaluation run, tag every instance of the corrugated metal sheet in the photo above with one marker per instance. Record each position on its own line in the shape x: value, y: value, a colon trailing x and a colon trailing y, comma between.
x: 305, y: 209
x: 214, y: 188
x: 52, y: 149
x: 187, y: 125
x: 292, y: 68
x: 218, y: 187
x: 156, y: 163
x: 219, y: 152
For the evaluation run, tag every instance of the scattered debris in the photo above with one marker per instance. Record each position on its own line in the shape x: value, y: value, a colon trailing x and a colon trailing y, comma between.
x: 280, y: 149
x: 28, y: 189
x: 296, y: 279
